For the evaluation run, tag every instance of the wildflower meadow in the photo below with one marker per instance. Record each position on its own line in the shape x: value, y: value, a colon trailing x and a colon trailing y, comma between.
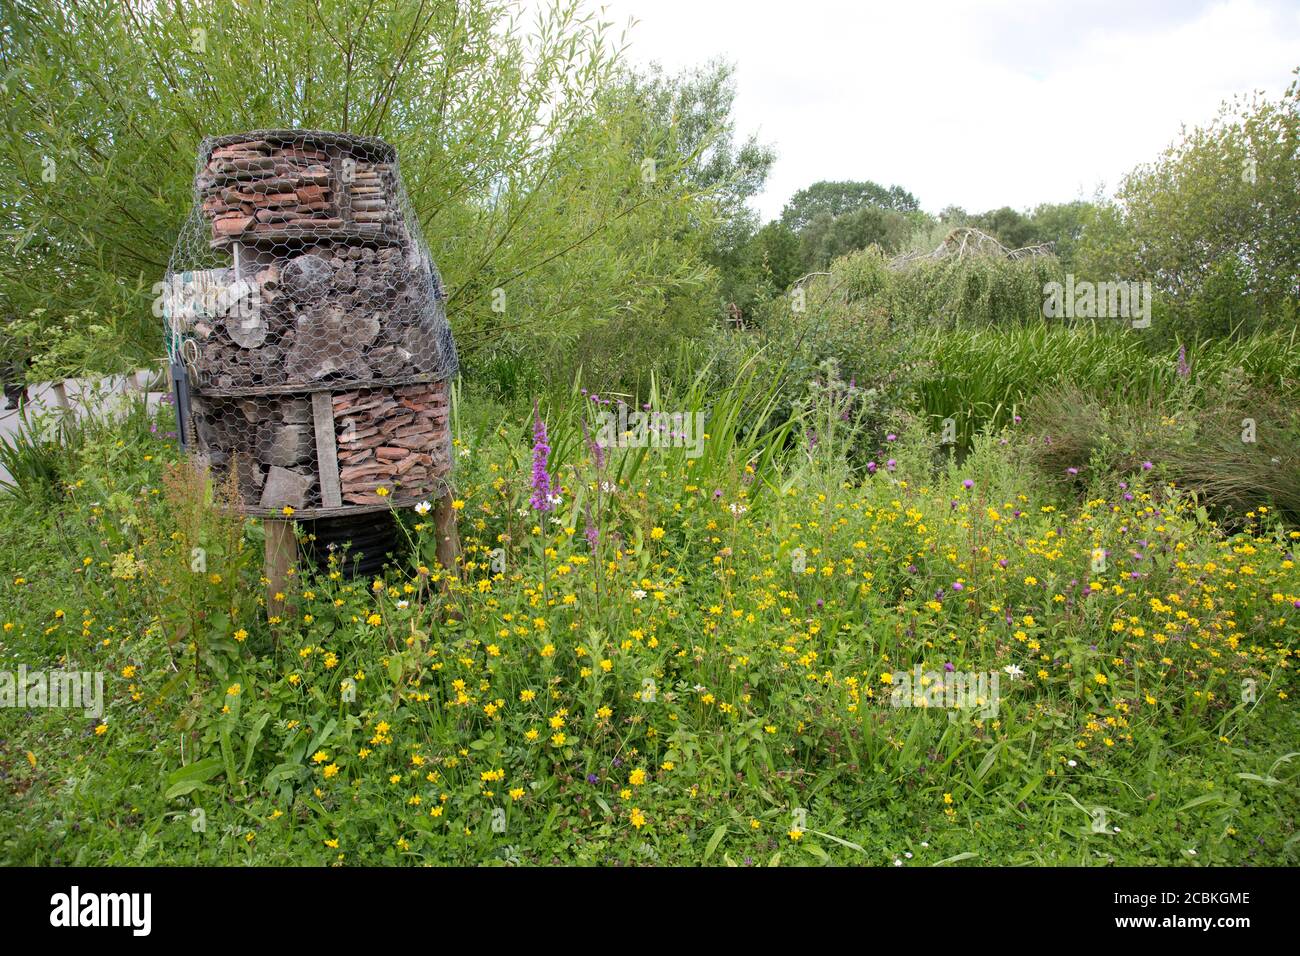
x: 748, y: 657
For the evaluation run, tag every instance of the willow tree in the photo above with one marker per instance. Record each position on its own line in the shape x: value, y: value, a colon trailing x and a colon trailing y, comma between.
x: 518, y: 166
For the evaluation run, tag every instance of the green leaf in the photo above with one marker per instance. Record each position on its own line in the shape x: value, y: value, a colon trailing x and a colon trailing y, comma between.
x: 817, y: 851
x: 1203, y: 799
x: 188, y: 778
x: 719, y: 832
x: 254, y: 735
x: 987, y: 763
x: 319, y: 740
x: 956, y: 859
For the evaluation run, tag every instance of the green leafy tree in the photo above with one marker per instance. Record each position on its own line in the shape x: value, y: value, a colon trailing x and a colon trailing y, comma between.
x: 1013, y: 229
x: 838, y: 198
x: 1214, y: 222
x: 763, y: 268
x: 828, y: 237
x: 1062, y: 225
x: 688, y: 121
x: 525, y: 174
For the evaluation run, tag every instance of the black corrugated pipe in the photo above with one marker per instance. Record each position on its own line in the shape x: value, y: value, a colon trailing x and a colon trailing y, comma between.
x: 370, y: 540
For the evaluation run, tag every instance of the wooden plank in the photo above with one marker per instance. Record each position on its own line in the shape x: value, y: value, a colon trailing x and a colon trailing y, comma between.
x: 327, y: 459
x: 351, y: 385
x: 281, y: 553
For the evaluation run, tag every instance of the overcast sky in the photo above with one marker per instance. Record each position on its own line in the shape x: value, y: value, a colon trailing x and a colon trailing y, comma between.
x: 977, y: 103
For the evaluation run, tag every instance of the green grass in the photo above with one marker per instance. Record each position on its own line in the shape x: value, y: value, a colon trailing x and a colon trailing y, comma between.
x: 981, y: 376
x: 715, y: 663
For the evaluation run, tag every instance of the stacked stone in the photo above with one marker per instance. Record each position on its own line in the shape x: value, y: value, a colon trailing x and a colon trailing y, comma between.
x: 391, y: 435
x: 260, y: 188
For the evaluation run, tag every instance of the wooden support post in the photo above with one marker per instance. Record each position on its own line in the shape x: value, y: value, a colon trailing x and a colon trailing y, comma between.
x: 281, y: 555
x: 444, y: 523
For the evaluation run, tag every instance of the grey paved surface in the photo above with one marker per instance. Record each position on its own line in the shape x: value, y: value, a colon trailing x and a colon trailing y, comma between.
x: 83, y: 395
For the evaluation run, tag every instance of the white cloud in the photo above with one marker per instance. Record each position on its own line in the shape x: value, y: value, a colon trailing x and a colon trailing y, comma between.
x: 977, y: 104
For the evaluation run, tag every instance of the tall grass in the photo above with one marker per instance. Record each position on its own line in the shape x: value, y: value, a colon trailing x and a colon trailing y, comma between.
x: 743, y: 422
x: 981, y: 376
x: 34, y: 458
x: 46, y: 448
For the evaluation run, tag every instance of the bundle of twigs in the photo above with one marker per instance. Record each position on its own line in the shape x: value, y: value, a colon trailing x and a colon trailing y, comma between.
x: 969, y: 242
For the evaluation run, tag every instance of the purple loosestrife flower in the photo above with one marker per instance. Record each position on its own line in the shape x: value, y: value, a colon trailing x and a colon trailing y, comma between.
x: 597, y: 449
x: 1183, y: 368
x: 541, y: 500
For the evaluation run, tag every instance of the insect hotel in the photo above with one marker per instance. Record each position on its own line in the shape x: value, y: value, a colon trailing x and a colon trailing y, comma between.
x: 308, y: 336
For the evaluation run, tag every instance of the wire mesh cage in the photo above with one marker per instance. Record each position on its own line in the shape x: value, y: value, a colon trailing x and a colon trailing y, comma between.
x: 307, y: 327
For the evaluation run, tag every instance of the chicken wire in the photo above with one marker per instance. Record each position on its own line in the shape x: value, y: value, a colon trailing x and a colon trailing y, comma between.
x: 306, y: 325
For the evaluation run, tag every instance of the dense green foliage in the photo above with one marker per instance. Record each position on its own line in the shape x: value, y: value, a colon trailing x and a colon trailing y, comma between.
x: 523, y: 147
x: 1214, y: 221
